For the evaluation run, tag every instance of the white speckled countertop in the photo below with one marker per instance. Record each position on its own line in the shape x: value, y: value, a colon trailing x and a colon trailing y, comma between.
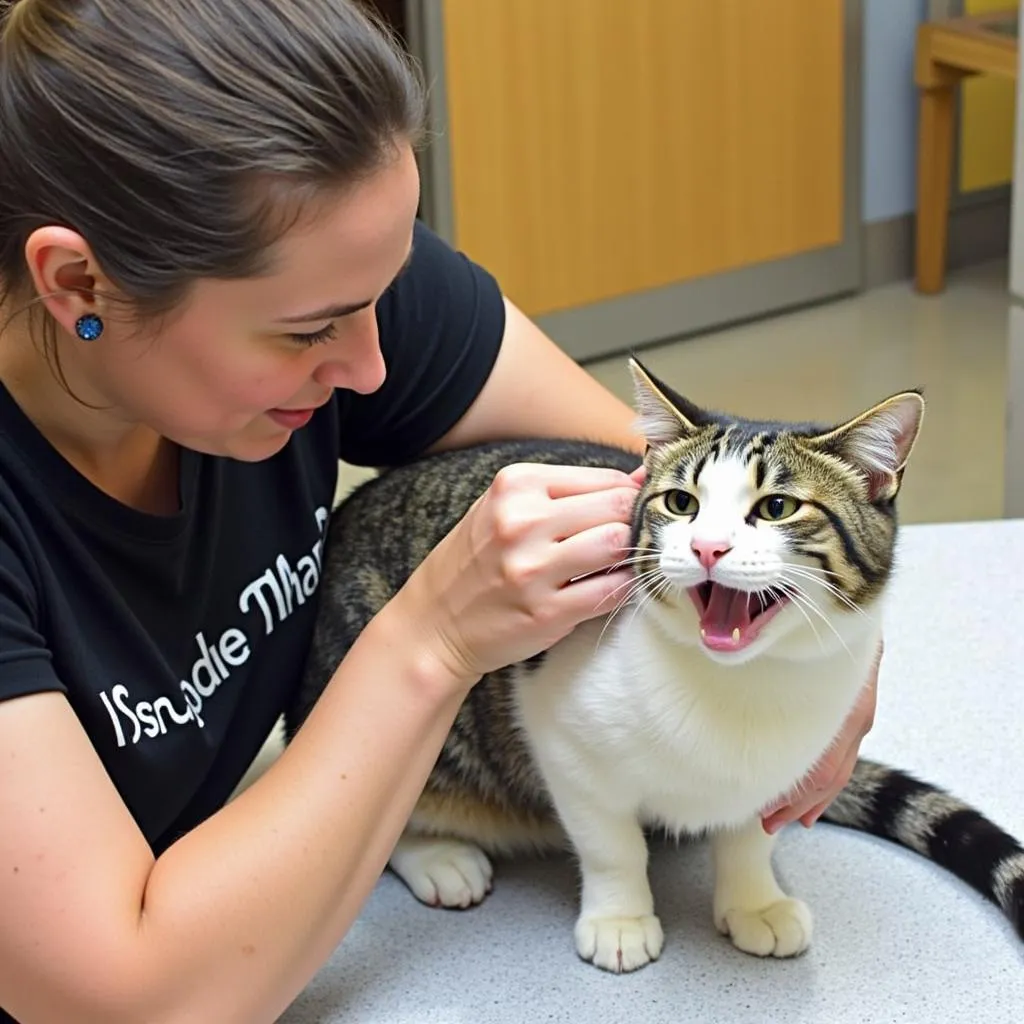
x: 897, y: 940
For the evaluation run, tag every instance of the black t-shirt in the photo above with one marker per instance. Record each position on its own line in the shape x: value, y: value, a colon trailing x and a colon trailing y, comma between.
x: 179, y: 639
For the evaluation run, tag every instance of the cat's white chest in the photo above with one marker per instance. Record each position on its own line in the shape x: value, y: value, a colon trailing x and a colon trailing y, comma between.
x: 637, y: 723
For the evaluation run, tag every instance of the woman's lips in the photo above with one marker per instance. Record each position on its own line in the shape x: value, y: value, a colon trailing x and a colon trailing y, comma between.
x: 291, y: 419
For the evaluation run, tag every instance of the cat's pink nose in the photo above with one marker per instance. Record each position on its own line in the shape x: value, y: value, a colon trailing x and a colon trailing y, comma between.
x: 709, y: 551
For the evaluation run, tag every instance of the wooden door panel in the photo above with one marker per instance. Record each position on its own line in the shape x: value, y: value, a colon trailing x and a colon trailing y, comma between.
x: 601, y: 147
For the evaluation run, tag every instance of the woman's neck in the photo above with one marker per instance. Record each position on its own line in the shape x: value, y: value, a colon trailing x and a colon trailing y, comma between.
x: 128, y: 461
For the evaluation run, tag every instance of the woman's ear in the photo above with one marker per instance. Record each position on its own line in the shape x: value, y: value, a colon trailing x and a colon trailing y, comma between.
x: 65, y: 274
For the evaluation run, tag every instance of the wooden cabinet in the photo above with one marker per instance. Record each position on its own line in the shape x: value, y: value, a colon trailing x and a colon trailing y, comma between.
x: 630, y: 168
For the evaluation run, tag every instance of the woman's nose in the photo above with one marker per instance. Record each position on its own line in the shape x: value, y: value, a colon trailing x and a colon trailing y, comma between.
x: 354, y: 361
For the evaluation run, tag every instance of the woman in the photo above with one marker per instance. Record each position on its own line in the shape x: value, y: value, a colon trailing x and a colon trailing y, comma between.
x: 214, y: 287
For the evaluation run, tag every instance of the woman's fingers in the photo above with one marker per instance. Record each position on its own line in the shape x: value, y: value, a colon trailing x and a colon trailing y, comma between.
x: 558, y: 481
x: 811, y: 797
x: 524, y: 565
x: 529, y: 514
x: 579, y: 513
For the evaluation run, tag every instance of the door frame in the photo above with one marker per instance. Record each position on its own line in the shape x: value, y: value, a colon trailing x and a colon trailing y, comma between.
x: 674, y: 311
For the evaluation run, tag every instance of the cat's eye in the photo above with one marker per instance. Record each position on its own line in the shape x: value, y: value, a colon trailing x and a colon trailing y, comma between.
x: 776, y: 507
x: 680, y: 503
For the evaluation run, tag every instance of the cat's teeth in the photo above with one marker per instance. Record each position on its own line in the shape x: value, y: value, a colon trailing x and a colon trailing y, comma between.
x: 703, y: 633
x: 736, y: 635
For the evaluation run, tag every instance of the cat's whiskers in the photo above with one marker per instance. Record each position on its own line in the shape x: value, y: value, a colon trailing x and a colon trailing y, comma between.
x: 636, y: 585
x: 797, y: 593
x: 802, y: 602
x: 651, y: 596
x: 648, y: 594
x: 635, y: 560
x: 638, y: 554
x: 807, y: 573
x: 814, y: 568
x: 781, y: 594
x: 645, y: 555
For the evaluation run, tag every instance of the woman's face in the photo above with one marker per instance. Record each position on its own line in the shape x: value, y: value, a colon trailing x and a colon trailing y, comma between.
x: 246, y: 362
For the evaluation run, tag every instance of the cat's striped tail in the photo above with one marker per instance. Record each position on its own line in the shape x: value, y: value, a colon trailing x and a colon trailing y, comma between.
x: 892, y: 804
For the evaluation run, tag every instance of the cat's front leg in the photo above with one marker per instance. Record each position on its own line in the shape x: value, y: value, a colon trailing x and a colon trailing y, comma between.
x: 617, y: 929
x: 750, y: 907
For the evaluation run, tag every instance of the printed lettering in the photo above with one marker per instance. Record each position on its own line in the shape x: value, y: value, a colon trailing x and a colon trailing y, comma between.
x: 205, y: 664
x: 118, y: 731
x: 222, y: 669
x: 323, y: 516
x: 268, y: 581
x: 144, y: 713
x: 290, y: 583
x: 234, y: 648
x: 194, y: 702
x: 163, y: 704
x: 310, y: 574
x: 150, y: 718
x: 276, y: 593
x: 120, y: 696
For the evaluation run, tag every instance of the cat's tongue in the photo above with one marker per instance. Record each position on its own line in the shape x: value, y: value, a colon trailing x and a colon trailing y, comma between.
x: 726, y: 619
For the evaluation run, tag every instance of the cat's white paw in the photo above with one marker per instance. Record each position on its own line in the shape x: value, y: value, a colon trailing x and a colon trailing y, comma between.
x: 443, y: 872
x: 781, y: 929
x: 619, y: 944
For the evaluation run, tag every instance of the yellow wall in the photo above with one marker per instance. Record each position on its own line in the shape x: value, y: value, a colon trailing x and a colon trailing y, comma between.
x: 986, y: 126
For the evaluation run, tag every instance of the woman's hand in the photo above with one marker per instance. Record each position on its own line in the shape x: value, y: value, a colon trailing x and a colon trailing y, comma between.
x: 809, y: 799
x: 523, y: 567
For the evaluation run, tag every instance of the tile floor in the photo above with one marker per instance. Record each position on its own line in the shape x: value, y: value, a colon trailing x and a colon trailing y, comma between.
x: 831, y: 361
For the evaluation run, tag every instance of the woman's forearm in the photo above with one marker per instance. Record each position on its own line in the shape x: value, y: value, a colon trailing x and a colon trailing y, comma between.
x: 239, y: 914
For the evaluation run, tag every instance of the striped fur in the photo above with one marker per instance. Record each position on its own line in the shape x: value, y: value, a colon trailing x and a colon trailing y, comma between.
x: 894, y: 805
x: 540, y: 751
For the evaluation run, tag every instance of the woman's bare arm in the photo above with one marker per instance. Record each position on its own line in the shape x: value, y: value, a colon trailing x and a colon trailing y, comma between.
x: 536, y: 390
x: 232, y: 921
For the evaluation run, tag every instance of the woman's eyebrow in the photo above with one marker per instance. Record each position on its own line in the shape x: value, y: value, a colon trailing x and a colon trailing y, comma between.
x: 327, y: 313
x: 340, y: 309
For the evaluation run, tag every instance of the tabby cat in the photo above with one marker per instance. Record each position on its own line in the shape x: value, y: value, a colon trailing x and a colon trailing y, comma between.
x: 761, y: 553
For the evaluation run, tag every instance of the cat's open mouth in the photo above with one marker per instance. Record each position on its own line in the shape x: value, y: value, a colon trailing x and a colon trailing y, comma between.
x: 732, y: 619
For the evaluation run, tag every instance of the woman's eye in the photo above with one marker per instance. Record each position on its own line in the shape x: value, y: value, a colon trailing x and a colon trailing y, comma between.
x: 776, y: 507
x: 680, y: 503
x: 324, y: 334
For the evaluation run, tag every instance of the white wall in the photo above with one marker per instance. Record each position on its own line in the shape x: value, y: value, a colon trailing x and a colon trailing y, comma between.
x: 889, y: 122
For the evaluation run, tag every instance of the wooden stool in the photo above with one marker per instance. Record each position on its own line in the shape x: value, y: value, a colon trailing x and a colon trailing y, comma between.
x: 947, y: 52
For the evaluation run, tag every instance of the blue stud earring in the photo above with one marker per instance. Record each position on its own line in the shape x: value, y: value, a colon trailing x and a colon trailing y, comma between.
x: 89, y: 327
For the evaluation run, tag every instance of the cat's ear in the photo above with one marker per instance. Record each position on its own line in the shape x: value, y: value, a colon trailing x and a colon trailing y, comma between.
x: 879, y: 441
x: 662, y: 415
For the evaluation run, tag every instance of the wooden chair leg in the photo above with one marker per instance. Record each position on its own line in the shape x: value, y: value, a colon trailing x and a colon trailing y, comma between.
x: 934, y: 170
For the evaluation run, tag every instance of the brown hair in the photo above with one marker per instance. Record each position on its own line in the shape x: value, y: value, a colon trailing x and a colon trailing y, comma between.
x: 181, y: 139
